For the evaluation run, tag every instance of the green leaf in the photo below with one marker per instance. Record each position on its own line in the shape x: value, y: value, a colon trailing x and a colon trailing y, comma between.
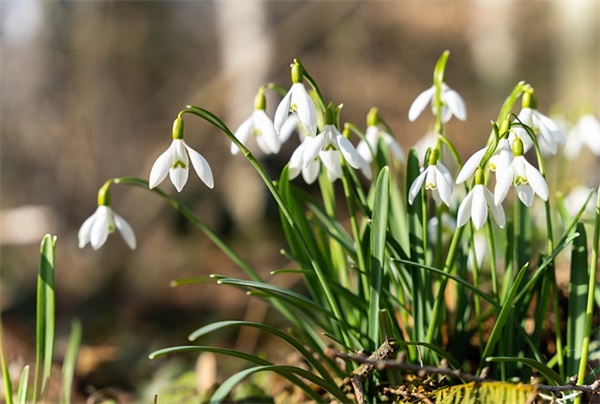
x: 378, y: 237
x: 8, y: 389
x: 578, y: 295
x: 68, y: 368
x: 297, y: 345
x: 507, y: 307
x: 22, y: 389
x: 46, y: 313
x: 285, y: 371
x: 550, y: 375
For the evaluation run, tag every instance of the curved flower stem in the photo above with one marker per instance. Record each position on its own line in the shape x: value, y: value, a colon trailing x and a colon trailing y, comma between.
x: 214, y: 120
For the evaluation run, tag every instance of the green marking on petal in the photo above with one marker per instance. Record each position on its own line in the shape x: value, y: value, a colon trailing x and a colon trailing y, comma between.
x: 177, y: 164
x: 521, y: 180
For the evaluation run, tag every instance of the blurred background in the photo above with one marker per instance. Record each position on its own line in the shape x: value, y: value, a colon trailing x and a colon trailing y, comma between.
x: 90, y: 90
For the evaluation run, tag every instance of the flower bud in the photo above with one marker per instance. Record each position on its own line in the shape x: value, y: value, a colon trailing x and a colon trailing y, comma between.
x: 504, y: 127
x: 178, y: 128
x: 373, y: 117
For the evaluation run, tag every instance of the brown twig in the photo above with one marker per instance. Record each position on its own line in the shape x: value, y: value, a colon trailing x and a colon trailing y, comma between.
x: 380, y: 362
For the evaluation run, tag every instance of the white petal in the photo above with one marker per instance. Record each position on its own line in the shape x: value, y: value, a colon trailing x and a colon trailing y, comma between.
x: 100, y: 227
x: 479, y: 208
x: 332, y: 161
x: 268, y: 136
x: 289, y: 126
x: 588, y: 127
x: 349, y: 152
x: 295, y: 165
x: 305, y: 107
x: 526, y: 116
x: 200, y: 166
x: 464, y: 210
x: 455, y: 103
x: 365, y: 169
x: 444, y: 182
x: 282, y: 112
x: 420, y: 103
x: 394, y: 146
x: 504, y: 180
x: 525, y: 194
x: 242, y: 133
x: 313, y: 147
x: 179, y: 177
x: 126, y: 231
x: 536, y: 181
x: 416, y: 185
x: 364, y: 150
x: 470, y: 166
x: 160, y: 169
x: 497, y: 210
x: 311, y: 171
x: 85, y: 230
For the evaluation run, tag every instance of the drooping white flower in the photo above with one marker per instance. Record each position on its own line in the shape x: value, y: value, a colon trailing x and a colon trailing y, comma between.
x: 104, y: 221
x: 367, y: 147
x: 309, y: 171
x: 499, y: 161
x: 548, y: 132
x: 175, y: 161
x: 453, y: 104
x: 523, y: 176
x: 435, y: 178
x: 260, y: 126
x: 330, y: 146
x: 475, y: 207
x: 297, y: 102
x: 585, y: 132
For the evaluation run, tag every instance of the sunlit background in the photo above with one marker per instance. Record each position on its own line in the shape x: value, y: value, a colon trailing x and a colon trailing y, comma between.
x: 90, y: 90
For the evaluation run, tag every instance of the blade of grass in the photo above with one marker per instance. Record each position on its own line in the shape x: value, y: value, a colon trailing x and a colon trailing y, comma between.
x: 68, y: 368
x: 550, y: 375
x: 378, y: 237
x: 308, y: 356
x: 45, y: 327
x: 578, y: 295
x: 22, y: 390
x: 285, y: 371
x: 8, y: 390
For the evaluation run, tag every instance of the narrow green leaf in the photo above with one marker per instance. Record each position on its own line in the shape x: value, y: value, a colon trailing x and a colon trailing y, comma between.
x: 285, y: 371
x: 507, y: 307
x: 22, y: 390
x: 8, y: 390
x: 297, y: 345
x: 235, y: 354
x: 46, y: 312
x: 68, y: 368
x: 378, y: 237
x: 550, y: 375
x: 578, y: 292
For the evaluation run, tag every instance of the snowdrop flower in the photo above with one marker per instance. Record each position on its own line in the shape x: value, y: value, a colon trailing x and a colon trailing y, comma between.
x: 452, y: 104
x: 550, y: 135
x: 260, y: 126
x: 104, y: 221
x: 309, y: 171
x: 297, y: 103
x: 585, y: 132
x: 499, y: 161
x: 436, y: 178
x: 368, y: 147
x: 523, y: 176
x: 329, y: 147
x: 427, y: 141
x: 476, y: 204
x: 175, y: 161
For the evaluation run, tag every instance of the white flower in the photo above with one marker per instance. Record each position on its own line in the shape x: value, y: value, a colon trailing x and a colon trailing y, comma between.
x: 367, y: 147
x: 436, y: 178
x: 309, y: 171
x: 526, y: 179
x: 499, y: 161
x: 585, y: 132
x: 575, y: 199
x: 104, y: 221
x: 329, y: 147
x: 475, y: 206
x: 453, y: 104
x: 427, y: 141
x: 175, y: 162
x: 261, y: 127
x: 550, y: 134
x: 296, y: 102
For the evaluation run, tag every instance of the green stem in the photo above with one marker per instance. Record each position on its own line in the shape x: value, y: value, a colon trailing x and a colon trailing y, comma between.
x: 589, y: 313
